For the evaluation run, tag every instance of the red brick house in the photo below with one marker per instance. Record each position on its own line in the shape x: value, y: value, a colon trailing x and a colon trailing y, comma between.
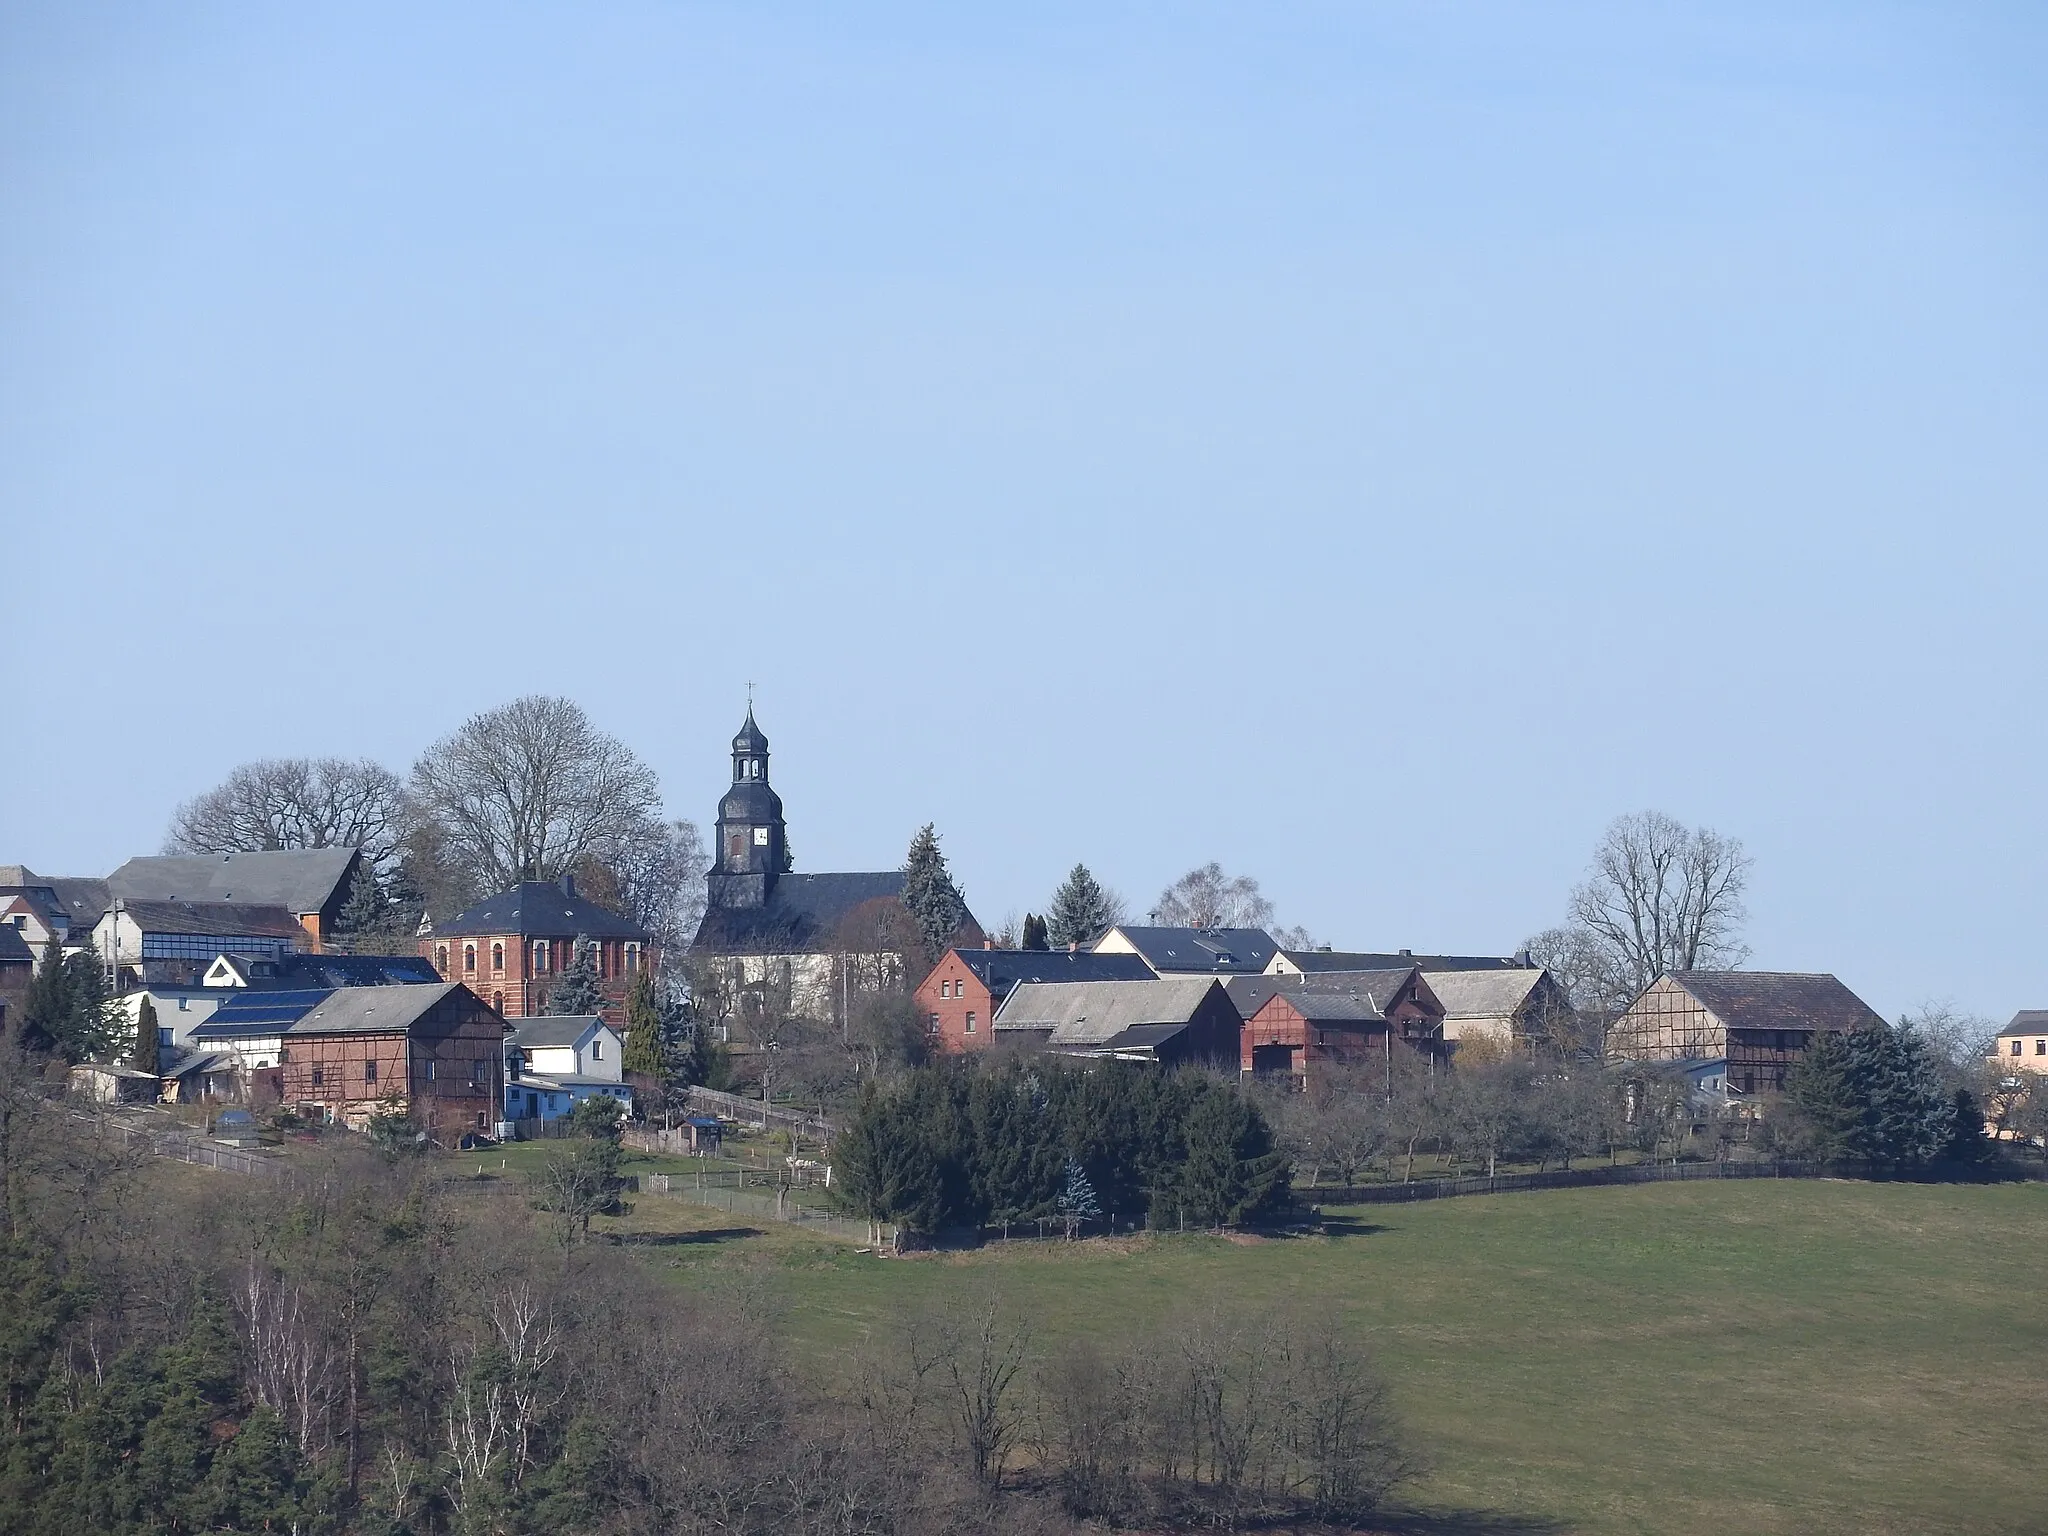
x: 435, y: 1051
x: 959, y: 999
x: 1298, y: 1026
x: 512, y: 948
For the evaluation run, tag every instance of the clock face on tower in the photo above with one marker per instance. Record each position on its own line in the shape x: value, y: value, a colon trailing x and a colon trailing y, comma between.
x: 761, y: 837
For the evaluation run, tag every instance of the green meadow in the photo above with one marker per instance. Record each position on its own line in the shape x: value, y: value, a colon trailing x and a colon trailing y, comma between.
x: 1689, y: 1358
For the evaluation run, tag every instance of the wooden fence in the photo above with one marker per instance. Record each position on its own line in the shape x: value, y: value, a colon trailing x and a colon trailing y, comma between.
x: 730, y: 1106
x: 1657, y: 1173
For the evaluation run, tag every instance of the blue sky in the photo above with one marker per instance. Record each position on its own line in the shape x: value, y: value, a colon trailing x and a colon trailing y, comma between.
x: 1370, y: 445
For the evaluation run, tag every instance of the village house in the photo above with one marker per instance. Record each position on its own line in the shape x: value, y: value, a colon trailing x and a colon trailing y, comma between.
x: 435, y: 1053
x: 959, y: 999
x: 147, y: 942
x: 1181, y: 1022
x: 1759, y: 1023
x: 772, y: 941
x: 1514, y: 1005
x: 312, y: 884
x: 43, y: 907
x: 513, y: 947
x: 555, y: 1061
x: 2022, y: 1046
x: 1299, y: 1026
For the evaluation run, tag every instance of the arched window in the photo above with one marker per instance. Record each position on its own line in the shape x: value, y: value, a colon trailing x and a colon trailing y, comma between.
x: 498, y: 958
x: 540, y: 956
x: 441, y: 958
x: 498, y: 1001
x: 469, y: 957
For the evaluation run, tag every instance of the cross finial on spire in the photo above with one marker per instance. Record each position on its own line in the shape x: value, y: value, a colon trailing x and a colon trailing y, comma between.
x: 750, y: 695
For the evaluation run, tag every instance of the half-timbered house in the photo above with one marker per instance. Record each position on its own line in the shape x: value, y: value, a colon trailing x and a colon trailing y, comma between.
x: 1760, y: 1022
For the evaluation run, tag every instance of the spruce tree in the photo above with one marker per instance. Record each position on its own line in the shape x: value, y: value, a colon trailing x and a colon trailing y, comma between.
x: 1034, y: 932
x: 1819, y: 1087
x: 645, y: 1053
x: 366, y: 911
x: 145, y: 1057
x: 929, y: 894
x: 94, y: 1025
x: 1081, y: 911
x: 578, y: 991
x: 1077, y: 1202
x: 46, y: 1010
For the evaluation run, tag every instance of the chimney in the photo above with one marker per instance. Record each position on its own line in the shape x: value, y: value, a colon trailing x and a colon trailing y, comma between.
x: 987, y: 942
x: 1407, y: 954
x: 569, y: 887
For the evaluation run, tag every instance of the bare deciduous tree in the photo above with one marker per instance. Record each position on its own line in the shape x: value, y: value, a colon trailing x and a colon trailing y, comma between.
x: 1659, y: 897
x: 530, y: 790
x: 1205, y: 897
x: 294, y: 802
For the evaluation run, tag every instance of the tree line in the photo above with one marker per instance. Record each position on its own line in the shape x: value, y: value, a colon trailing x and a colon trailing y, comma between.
x: 1015, y: 1141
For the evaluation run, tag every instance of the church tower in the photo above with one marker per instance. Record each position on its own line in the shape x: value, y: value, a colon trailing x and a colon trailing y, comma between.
x: 751, y: 850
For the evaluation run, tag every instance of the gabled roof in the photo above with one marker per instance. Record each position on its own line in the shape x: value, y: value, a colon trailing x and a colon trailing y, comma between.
x: 1483, y: 994
x: 1777, y: 999
x: 373, y: 1010
x: 554, y: 1031
x: 1335, y: 1007
x: 1251, y: 993
x: 228, y: 918
x: 2028, y: 1021
x: 803, y: 915
x: 59, y: 900
x: 1001, y: 969
x: 543, y: 909
x: 1312, y: 960
x: 1093, y: 1012
x: 301, y: 880
x: 1209, y: 951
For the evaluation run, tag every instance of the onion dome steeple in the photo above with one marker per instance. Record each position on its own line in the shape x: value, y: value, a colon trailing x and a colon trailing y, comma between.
x: 752, y: 848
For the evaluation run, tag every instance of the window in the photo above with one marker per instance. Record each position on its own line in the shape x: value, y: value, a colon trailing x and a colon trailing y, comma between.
x: 597, y: 1050
x: 163, y: 1038
x: 284, y: 1054
x: 369, y: 1071
x: 469, y: 957
x: 319, y: 1077
x: 970, y: 1021
x: 632, y: 959
x: 441, y: 958
x: 184, y: 1003
x: 2016, y: 1047
x: 479, y: 1070
x: 498, y: 1001
x: 498, y: 958
x: 540, y: 956
x: 933, y: 1026
x: 428, y: 1068
x: 2041, y: 1047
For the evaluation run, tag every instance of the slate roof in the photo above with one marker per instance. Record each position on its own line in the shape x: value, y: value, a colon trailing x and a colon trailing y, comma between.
x: 14, y: 948
x: 1336, y: 1007
x: 1251, y: 993
x: 301, y: 880
x: 1211, y: 951
x: 1094, y: 1012
x: 1483, y: 994
x: 1001, y: 969
x: 372, y: 1010
x: 802, y: 915
x: 1777, y: 999
x: 1312, y: 960
x: 77, y: 901
x: 230, y: 918
x: 2028, y: 1021
x: 544, y: 909
x: 542, y: 1031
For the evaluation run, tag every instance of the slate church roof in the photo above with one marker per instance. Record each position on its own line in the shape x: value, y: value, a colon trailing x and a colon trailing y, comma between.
x: 801, y: 916
x: 542, y: 909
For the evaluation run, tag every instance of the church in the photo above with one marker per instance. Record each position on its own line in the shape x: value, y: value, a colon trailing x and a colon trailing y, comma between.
x: 777, y: 942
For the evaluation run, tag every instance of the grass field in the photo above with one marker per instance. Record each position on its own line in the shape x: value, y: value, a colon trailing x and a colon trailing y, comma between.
x: 1768, y: 1357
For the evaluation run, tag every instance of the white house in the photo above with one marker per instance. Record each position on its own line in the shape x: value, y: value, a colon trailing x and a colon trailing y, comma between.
x: 554, y: 1061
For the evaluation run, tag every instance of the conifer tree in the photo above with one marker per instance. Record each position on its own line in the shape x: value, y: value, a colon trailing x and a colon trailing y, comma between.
x: 367, y: 910
x: 1081, y: 912
x: 1819, y: 1087
x: 46, y: 1010
x: 145, y: 1057
x: 1077, y: 1202
x: 929, y: 894
x: 646, y: 1053
x: 578, y: 992
x: 1034, y: 932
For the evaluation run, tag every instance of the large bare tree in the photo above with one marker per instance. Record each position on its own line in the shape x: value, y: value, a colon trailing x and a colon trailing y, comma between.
x: 529, y: 790
x: 1660, y: 896
x: 1208, y: 898
x: 294, y: 802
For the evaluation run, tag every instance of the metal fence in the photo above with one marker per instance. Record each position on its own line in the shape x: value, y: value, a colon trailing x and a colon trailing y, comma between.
x: 727, y: 1190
